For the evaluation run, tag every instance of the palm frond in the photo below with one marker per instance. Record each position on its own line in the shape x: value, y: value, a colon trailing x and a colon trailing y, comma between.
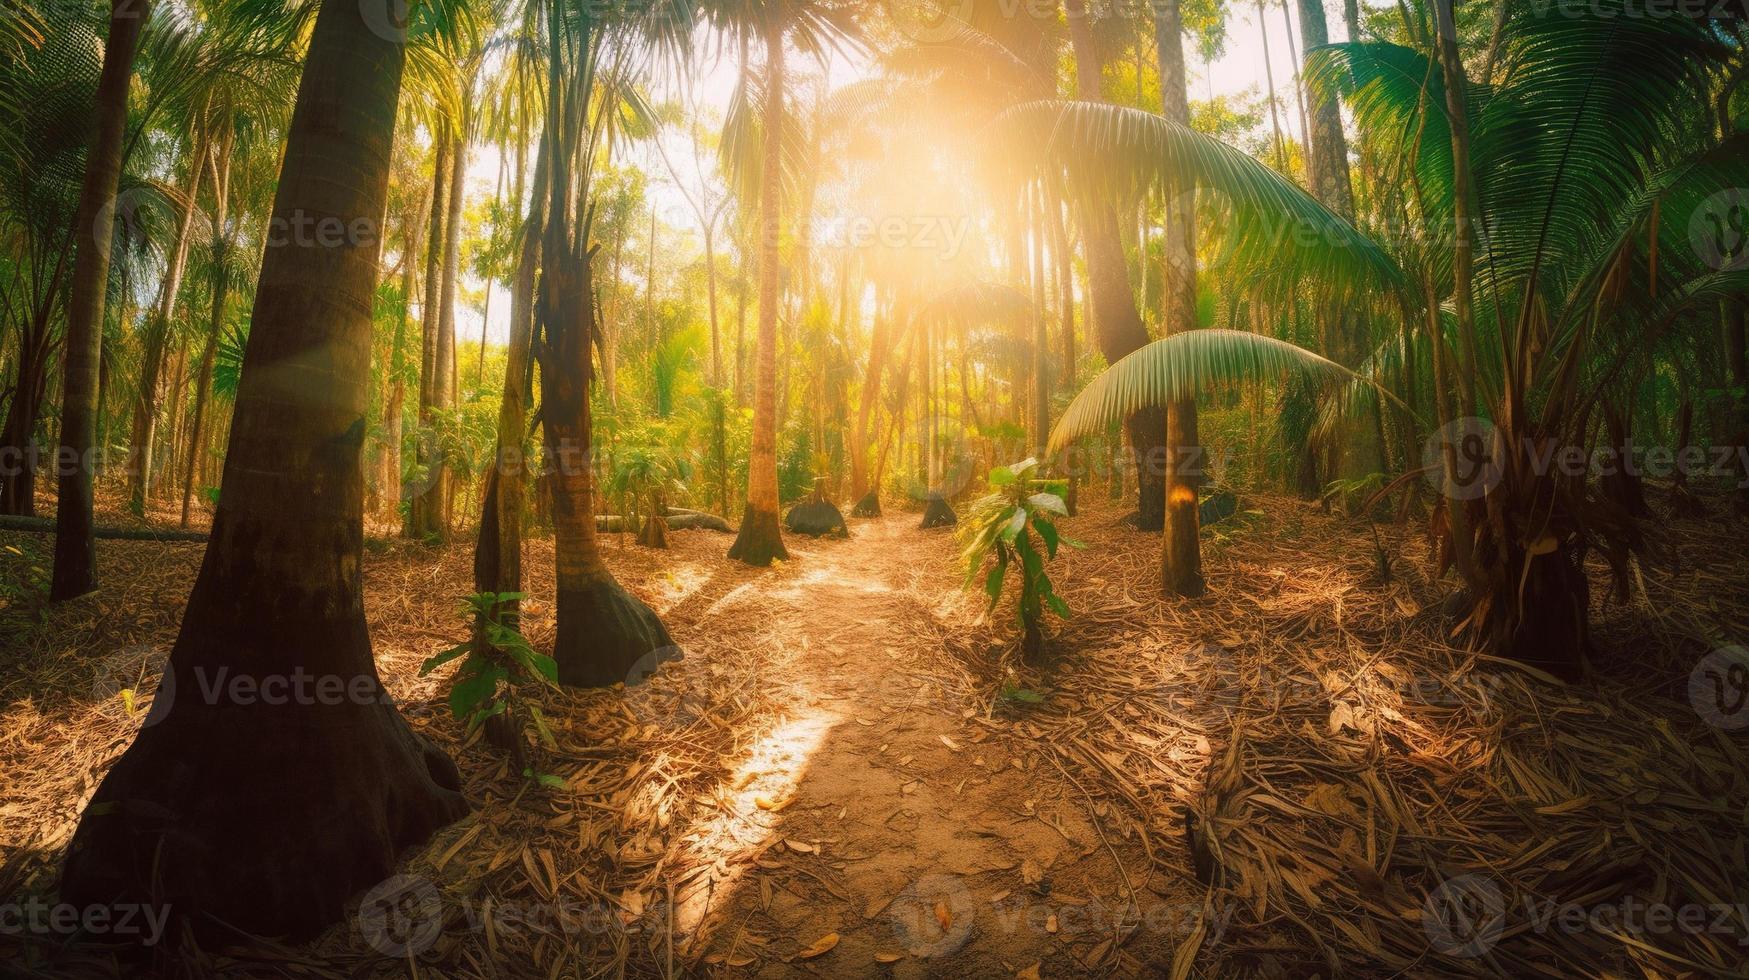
x: 1185, y: 365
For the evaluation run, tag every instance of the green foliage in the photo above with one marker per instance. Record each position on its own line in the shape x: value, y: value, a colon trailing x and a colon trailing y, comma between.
x: 1002, y: 525
x: 492, y: 663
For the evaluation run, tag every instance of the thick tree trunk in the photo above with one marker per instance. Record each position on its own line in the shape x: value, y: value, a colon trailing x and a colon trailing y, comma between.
x: 760, y: 540
x: 264, y: 806
x: 145, y: 423
x: 75, y: 569
x: 1181, y: 564
x: 1117, y: 326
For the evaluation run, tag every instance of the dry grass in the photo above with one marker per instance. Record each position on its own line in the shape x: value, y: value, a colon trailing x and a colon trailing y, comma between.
x: 1345, y: 759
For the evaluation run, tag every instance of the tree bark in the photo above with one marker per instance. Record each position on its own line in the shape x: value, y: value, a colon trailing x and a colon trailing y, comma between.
x: 221, y: 287
x: 235, y: 809
x: 75, y: 569
x: 1117, y: 326
x: 145, y: 423
x: 444, y: 366
x: 498, y: 556
x: 760, y: 540
x: 427, y: 504
x: 1181, y: 555
x: 605, y: 634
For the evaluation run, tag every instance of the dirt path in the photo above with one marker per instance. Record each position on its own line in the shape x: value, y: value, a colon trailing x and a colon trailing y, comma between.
x: 891, y: 810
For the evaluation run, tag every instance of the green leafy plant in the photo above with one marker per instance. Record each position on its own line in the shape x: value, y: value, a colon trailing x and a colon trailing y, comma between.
x: 494, y: 661
x: 1001, y: 527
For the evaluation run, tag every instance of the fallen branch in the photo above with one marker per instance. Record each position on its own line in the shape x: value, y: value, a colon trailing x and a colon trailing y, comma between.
x: 678, y: 520
x: 43, y: 525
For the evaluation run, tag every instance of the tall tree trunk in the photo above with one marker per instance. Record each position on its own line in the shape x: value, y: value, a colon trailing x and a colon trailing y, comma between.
x: 760, y: 539
x: 221, y: 287
x: 145, y: 423
x: 605, y: 634
x: 18, y: 445
x: 236, y: 808
x: 1117, y: 325
x: 1181, y: 556
x: 861, y: 433
x: 444, y: 393
x: 1736, y: 342
x: 389, y: 490
x: 427, y: 504
x: 498, y: 555
x: 75, y: 570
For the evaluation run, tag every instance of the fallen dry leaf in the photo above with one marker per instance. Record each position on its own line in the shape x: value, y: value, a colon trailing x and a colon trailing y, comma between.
x: 821, y: 947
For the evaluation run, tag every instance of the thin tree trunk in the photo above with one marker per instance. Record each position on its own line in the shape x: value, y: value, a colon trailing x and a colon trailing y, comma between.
x: 1181, y: 558
x: 221, y: 287
x: 75, y: 569
x: 760, y: 540
x: 498, y: 555
x: 446, y: 393
x: 1116, y: 324
x: 426, y: 504
x: 145, y: 424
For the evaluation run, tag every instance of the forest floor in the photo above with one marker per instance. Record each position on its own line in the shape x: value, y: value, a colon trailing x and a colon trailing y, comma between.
x: 849, y: 773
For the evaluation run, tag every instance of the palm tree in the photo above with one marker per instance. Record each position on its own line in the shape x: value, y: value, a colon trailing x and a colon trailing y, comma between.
x: 1117, y: 324
x: 812, y: 26
x: 605, y: 634
x: 760, y: 540
x: 1118, y: 150
x: 75, y: 571
x: 1577, y: 290
x: 211, y: 808
x: 1181, y: 552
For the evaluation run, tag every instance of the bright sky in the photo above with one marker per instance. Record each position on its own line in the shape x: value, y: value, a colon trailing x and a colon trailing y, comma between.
x: 1238, y: 71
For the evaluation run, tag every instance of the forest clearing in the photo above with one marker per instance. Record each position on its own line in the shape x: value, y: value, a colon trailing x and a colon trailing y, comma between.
x: 665, y: 488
